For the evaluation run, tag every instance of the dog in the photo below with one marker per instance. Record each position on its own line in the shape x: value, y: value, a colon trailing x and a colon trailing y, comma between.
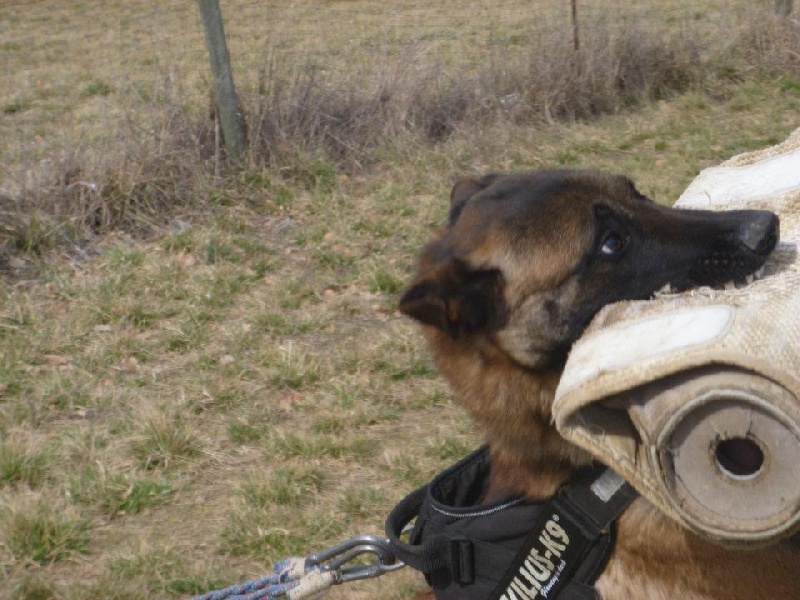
x: 523, y: 263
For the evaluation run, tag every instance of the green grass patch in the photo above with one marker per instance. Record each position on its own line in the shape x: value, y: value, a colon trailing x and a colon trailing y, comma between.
x: 116, y: 494
x: 19, y: 465
x: 181, y: 242
x: 295, y: 369
x: 284, y: 324
x: 286, y: 487
x: 245, y: 433
x: 790, y: 85
x: 191, y: 332
x: 96, y: 87
x: 363, y: 502
x: 33, y: 587
x: 308, y: 447
x: 43, y: 533
x: 17, y: 106
x: 216, y: 251
x: 164, y: 441
x: 385, y: 282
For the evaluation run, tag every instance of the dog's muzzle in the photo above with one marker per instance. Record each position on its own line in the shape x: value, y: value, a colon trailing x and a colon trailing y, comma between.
x: 695, y: 397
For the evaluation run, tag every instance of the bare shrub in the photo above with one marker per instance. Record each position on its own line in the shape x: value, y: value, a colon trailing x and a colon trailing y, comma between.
x: 770, y: 42
x: 616, y: 67
x: 147, y: 171
x: 406, y: 99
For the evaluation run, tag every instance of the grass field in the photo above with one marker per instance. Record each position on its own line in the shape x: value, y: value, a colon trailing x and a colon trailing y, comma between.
x: 216, y: 377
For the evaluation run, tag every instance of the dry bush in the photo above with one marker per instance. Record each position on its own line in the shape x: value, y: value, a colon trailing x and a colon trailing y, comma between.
x: 617, y: 65
x: 771, y: 43
x: 147, y: 171
x: 613, y: 69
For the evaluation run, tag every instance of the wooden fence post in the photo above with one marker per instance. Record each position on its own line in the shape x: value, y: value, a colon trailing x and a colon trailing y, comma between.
x: 576, y: 36
x: 230, y: 113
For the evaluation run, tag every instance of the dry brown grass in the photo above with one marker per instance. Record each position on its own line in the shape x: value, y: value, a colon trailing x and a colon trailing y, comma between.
x: 187, y: 405
x: 143, y: 145
x: 404, y: 98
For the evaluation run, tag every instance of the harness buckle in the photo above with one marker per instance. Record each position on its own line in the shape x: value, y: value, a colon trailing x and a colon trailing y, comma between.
x: 336, y: 557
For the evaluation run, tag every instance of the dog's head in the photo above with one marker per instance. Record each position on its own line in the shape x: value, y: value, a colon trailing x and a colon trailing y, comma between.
x: 526, y: 260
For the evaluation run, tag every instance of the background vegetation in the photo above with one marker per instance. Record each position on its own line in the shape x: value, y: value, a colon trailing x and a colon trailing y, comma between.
x: 202, y: 369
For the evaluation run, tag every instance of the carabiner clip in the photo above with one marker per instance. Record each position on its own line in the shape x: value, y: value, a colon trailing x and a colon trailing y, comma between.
x: 336, y: 558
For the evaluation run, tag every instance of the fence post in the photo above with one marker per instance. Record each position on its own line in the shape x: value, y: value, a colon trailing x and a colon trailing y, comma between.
x: 783, y: 7
x: 576, y: 36
x: 230, y: 113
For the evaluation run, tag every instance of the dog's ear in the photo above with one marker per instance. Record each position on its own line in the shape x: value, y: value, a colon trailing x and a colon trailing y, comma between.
x: 466, y: 188
x: 456, y: 298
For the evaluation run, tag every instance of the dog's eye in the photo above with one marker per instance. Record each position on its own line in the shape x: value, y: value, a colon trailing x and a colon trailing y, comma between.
x: 613, y: 244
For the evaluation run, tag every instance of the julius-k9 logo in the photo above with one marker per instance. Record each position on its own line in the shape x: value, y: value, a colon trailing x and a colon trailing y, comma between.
x: 541, y: 569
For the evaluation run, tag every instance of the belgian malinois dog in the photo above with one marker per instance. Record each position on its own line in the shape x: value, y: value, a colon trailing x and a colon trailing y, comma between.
x: 520, y: 268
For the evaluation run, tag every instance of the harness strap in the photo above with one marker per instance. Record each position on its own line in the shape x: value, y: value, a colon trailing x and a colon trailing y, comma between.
x: 463, y: 557
x: 570, y: 545
x: 596, y: 498
x: 564, y: 551
x: 429, y: 556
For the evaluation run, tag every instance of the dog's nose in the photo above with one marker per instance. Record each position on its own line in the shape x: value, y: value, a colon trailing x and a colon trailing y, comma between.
x: 760, y: 233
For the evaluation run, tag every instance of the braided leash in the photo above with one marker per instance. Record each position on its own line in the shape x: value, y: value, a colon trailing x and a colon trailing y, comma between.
x: 312, y: 577
x: 290, y: 578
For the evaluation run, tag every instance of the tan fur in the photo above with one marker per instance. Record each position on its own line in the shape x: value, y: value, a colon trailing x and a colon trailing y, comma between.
x: 498, y: 371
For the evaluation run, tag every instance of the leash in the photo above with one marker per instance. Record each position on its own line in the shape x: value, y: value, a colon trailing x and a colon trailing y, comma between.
x: 311, y: 578
x: 518, y: 549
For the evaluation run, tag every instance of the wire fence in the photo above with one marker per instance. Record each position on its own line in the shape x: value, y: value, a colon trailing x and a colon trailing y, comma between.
x: 121, y: 42
x: 68, y: 69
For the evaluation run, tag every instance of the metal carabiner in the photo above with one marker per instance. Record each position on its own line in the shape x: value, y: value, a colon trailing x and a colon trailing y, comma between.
x: 336, y: 558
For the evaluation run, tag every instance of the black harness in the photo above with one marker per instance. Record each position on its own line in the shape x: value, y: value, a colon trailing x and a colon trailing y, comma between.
x: 512, y: 550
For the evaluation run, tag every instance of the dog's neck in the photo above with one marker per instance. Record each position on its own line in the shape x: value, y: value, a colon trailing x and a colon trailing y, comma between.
x: 534, y: 466
x: 512, y: 406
